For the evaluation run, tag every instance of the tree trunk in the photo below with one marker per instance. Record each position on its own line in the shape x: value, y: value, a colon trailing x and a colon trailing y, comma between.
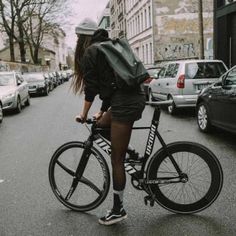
x: 12, y: 49
x: 36, y: 55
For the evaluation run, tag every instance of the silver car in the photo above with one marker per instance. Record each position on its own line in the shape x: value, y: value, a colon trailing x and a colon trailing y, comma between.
x: 181, y: 81
x: 13, y: 91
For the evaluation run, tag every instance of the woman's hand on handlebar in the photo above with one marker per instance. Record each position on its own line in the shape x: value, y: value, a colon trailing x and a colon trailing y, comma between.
x: 81, y: 118
x: 98, y: 115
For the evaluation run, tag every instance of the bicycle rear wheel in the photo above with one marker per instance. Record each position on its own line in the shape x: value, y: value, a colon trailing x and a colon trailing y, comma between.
x: 204, y: 178
x: 92, y: 187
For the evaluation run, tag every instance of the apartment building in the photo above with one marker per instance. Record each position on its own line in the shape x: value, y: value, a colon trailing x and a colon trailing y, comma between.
x: 139, y: 21
x: 163, y: 30
x: 104, y: 19
x: 118, y: 18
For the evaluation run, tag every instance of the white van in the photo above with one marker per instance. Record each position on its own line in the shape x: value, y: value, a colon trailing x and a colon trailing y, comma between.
x: 181, y: 81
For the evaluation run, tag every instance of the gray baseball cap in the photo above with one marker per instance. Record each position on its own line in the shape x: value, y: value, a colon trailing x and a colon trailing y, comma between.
x: 87, y: 27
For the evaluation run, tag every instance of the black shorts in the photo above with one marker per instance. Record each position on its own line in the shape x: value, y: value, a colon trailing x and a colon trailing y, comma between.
x: 127, y: 105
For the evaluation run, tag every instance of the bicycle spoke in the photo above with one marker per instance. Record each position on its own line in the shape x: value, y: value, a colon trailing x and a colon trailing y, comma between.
x: 90, y: 184
x: 70, y: 172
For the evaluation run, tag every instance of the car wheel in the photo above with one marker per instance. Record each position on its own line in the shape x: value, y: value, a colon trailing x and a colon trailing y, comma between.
x: 150, y: 96
x: 171, y: 108
x: 1, y: 113
x: 46, y: 91
x: 203, y: 119
x: 18, y: 107
x: 27, y: 103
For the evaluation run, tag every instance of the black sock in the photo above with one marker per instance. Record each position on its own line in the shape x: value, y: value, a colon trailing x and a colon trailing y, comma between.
x: 118, y: 200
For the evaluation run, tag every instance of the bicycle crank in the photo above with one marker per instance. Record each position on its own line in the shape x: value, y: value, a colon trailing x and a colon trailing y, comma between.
x: 149, y: 199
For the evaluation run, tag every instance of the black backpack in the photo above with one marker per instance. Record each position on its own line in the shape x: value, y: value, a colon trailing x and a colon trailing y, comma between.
x: 128, y: 69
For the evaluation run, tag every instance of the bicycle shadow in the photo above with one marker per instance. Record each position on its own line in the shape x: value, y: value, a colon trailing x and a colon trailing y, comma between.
x: 167, y: 225
x: 186, y: 225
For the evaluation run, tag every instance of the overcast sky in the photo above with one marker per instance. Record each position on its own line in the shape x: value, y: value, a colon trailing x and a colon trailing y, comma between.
x: 81, y: 9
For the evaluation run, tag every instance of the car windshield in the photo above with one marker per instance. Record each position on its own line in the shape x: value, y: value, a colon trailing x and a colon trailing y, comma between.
x: 153, y: 72
x: 203, y: 70
x: 7, y: 79
x: 31, y: 78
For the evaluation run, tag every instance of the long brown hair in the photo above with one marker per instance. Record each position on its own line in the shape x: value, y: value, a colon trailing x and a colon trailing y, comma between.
x: 82, y: 43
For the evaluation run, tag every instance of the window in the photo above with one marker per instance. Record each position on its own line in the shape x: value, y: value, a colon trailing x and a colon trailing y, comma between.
x: 172, y: 71
x: 231, y: 77
x: 162, y: 72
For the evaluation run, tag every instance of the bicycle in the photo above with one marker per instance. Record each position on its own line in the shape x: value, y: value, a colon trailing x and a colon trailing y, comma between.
x: 183, y: 177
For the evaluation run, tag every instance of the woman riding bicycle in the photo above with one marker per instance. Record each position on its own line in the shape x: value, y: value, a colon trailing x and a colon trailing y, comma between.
x: 120, y: 107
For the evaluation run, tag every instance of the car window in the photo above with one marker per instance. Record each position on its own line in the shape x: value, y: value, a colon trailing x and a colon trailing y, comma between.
x: 231, y: 77
x: 172, y: 71
x: 153, y: 72
x: 7, y: 80
x: 19, y: 78
x: 162, y: 72
x: 203, y: 70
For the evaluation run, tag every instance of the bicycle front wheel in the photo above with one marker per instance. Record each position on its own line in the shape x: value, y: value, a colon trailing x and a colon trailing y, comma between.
x: 91, y: 189
x: 203, y: 183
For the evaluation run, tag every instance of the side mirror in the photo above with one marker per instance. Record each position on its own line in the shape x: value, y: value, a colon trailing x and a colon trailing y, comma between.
x: 19, y: 82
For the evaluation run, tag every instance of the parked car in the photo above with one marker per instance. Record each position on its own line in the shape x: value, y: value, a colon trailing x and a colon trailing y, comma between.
x: 13, y: 91
x: 1, y: 110
x: 181, y: 81
x: 50, y: 81
x: 216, y: 104
x: 64, y: 75
x: 38, y: 84
x: 153, y: 72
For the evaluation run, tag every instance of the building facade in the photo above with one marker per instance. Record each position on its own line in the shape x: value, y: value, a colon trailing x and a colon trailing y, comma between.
x: 139, y: 21
x: 104, y: 20
x: 118, y: 18
x: 176, y: 29
x: 225, y: 31
x: 162, y: 30
x: 56, y: 42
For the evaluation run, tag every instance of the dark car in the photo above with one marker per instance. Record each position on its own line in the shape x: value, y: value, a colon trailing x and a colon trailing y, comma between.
x: 216, y: 105
x: 38, y: 84
x: 1, y: 111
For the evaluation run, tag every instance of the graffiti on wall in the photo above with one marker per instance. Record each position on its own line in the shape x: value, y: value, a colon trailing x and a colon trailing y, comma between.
x: 176, y: 51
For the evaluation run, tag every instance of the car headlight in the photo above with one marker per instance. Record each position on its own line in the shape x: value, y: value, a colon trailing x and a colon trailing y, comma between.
x: 10, y: 95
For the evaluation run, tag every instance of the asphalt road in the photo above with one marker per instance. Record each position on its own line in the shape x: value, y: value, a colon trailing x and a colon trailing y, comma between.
x: 28, y: 206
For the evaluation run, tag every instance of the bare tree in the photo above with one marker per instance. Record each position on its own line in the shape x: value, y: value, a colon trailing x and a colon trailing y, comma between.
x: 42, y: 19
x: 7, y: 23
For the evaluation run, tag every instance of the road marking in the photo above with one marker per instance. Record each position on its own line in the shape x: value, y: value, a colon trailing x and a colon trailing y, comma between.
x: 1, y: 181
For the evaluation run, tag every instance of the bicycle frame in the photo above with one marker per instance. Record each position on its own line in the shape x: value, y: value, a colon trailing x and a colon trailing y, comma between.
x: 106, y: 146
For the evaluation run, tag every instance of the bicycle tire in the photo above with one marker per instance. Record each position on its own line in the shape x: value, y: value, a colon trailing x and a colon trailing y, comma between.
x: 61, y: 173
x: 160, y: 161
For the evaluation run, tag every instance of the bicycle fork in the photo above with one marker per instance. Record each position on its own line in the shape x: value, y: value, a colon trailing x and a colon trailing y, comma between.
x: 80, y: 168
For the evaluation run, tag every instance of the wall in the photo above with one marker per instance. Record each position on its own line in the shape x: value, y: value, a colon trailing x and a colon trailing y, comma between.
x: 176, y: 34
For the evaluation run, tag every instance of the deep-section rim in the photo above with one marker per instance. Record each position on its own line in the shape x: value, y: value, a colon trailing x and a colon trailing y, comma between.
x: 160, y: 155
x: 56, y: 154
